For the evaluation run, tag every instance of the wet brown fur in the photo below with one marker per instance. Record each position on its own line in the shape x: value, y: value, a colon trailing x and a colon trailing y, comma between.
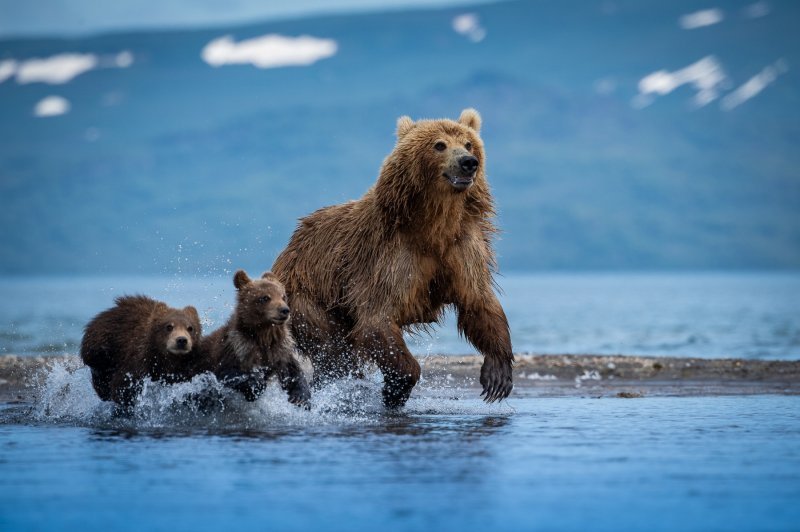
x: 135, y: 339
x: 256, y: 342
x: 360, y: 273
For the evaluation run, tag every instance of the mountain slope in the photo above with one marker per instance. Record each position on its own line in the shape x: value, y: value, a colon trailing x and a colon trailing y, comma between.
x: 171, y: 164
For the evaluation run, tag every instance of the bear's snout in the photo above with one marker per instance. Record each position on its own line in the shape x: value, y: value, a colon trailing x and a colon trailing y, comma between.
x: 278, y: 314
x: 468, y: 164
x: 179, y: 343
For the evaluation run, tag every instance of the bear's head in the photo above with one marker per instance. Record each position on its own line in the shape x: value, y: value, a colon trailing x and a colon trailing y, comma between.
x: 445, y: 154
x: 177, y: 330
x: 260, y: 302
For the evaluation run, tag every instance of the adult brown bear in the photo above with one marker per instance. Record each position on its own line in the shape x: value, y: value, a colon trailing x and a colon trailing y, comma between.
x: 359, y: 273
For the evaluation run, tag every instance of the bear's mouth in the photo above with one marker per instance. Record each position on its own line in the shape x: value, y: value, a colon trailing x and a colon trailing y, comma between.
x: 460, y: 183
x: 176, y: 350
x: 279, y: 320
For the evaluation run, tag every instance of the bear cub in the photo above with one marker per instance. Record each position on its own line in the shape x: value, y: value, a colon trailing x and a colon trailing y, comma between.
x: 256, y: 342
x: 137, y: 338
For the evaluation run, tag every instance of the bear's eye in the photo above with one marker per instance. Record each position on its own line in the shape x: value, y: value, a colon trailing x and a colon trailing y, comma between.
x: 190, y: 328
x: 468, y: 146
x: 440, y: 146
x: 263, y: 300
x: 170, y: 327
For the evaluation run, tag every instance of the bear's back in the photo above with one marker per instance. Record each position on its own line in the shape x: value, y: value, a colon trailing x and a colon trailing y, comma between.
x: 115, y: 335
x: 115, y: 331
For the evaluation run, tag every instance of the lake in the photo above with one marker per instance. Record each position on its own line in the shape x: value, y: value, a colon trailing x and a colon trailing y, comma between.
x: 445, y: 462
x: 747, y: 315
x: 448, y: 462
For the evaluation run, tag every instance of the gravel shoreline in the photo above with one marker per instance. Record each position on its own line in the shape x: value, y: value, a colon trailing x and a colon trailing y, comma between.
x: 536, y: 375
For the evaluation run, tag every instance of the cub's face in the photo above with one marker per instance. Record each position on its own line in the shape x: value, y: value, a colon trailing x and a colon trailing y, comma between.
x: 261, y: 302
x: 450, y: 153
x: 179, y: 330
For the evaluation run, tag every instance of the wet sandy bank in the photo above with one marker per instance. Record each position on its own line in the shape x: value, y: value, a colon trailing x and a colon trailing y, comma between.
x: 537, y: 375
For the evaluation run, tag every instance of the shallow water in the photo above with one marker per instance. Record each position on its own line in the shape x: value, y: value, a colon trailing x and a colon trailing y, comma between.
x: 747, y: 315
x: 447, y: 462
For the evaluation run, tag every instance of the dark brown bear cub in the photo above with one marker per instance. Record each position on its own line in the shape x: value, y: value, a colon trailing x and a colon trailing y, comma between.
x: 256, y: 342
x: 137, y: 338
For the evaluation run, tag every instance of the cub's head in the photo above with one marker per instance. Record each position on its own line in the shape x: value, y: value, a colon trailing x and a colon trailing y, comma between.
x: 260, y: 302
x: 445, y: 154
x: 178, y: 330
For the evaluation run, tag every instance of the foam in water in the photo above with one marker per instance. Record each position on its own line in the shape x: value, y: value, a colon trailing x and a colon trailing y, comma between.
x: 65, y: 395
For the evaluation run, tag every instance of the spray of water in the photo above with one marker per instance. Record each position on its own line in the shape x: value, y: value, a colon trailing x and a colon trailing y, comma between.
x: 64, y: 395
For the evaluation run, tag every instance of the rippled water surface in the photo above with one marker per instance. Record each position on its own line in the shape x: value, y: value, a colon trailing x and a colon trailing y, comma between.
x: 747, y: 315
x: 448, y: 462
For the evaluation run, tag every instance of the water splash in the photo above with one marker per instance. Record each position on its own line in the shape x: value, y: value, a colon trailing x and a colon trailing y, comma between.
x: 64, y: 395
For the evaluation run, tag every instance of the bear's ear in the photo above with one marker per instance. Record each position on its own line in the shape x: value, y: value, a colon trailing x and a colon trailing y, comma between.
x: 470, y: 118
x: 241, y: 279
x: 404, y: 125
x: 269, y: 276
x: 192, y: 313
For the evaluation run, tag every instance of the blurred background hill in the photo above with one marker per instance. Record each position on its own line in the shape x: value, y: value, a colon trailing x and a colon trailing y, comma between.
x: 619, y: 135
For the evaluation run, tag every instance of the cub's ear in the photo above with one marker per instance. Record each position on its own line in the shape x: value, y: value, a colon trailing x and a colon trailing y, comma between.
x: 470, y: 118
x: 240, y: 280
x: 404, y: 125
x: 192, y: 313
x: 269, y: 276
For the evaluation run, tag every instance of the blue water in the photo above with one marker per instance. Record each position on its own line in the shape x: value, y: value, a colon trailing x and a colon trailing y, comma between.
x: 446, y: 463
x: 748, y: 315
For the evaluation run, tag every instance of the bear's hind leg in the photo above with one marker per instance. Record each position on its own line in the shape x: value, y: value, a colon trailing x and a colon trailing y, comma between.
x: 101, y: 382
x: 320, y: 336
x: 125, y: 392
x: 401, y: 371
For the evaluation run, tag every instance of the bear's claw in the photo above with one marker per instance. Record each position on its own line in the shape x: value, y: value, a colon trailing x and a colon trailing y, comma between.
x: 301, y: 397
x: 496, y: 379
x: 298, y: 390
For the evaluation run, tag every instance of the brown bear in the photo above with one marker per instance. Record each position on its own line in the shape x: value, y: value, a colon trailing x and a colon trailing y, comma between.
x: 139, y: 337
x: 360, y: 273
x: 256, y: 342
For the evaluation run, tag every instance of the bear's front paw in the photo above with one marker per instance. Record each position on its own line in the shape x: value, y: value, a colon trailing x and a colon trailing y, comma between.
x: 249, y: 384
x: 396, y: 391
x: 299, y: 393
x: 496, y: 379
